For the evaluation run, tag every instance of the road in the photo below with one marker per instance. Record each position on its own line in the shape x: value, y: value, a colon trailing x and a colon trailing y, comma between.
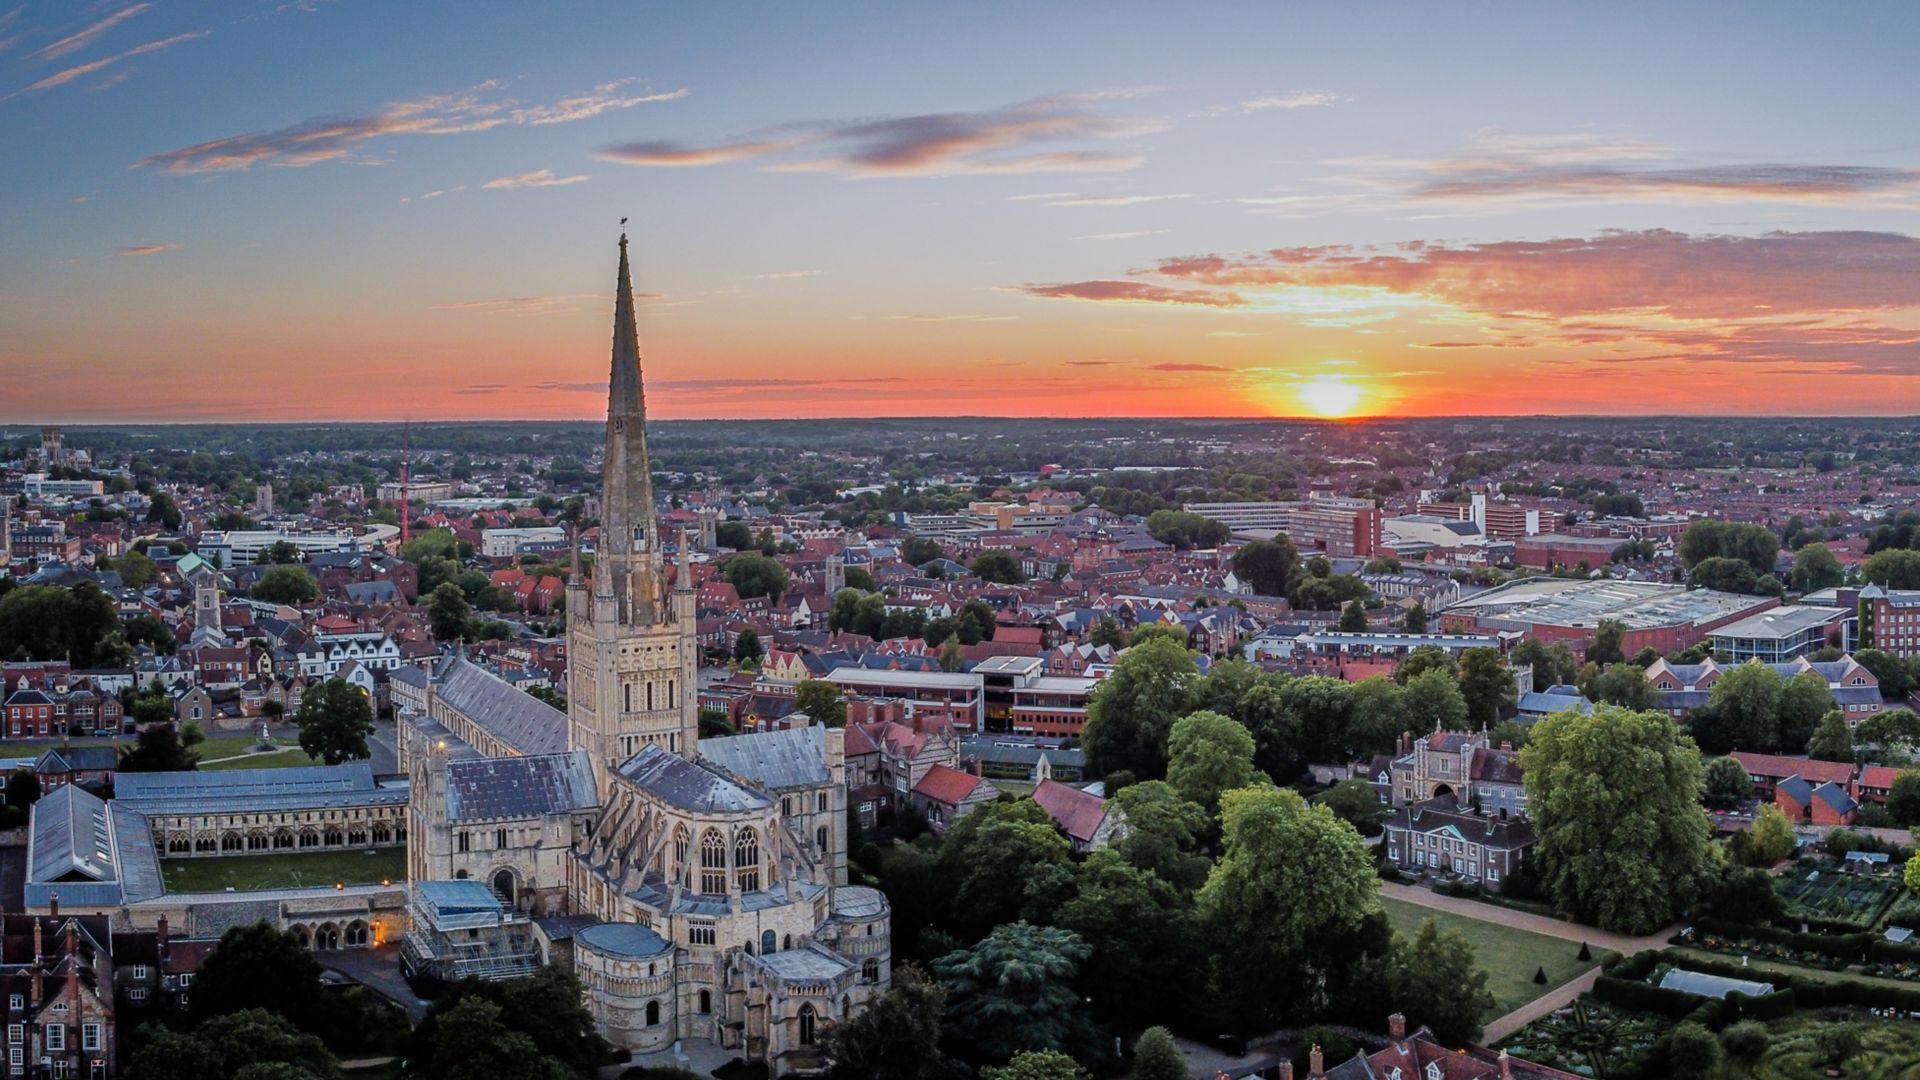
x: 383, y: 751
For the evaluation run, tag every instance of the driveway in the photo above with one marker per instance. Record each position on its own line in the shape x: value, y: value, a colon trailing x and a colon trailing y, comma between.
x: 1525, y: 920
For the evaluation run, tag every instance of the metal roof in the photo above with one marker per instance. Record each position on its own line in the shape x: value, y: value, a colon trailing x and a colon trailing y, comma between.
x: 517, y: 787
x: 245, y: 791
x: 795, y: 757
x: 71, y: 835
x: 622, y: 939
x: 515, y: 717
x: 859, y: 902
x: 687, y: 785
x: 1713, y: 986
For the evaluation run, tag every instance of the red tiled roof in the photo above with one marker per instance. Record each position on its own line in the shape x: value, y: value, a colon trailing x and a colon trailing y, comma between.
x: 1779, y: 767
x: 1878, y: 776
x: 1077, y: 812
x: 946, y: 785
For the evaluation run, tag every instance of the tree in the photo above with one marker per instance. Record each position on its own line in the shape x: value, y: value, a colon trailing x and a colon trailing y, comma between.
x: 1606, y: 645
x: 1163, y: 834
x: 1615, y: 800
x: 1804, y: 699
x: 1894, y: 733
x: 1106, y: 632
x: 1425, y: 658
x: 473, y: 1039
x: 254, y: 1043
x: 1726, y: 575
x: 975, y: 623
x: 1037, y: 1065
x: 753, y: 574
x: 1707, y: 538
x: 1893, y: 569
x: 1746, y: 1041
x: 1270, y: 566
x: 135, y: 569
x: 538, y: 1026
x: 1625, y: 685
x: 335, y: 719
x: 1837, y: 1044
x: 1772, y: 836
x: 1293, y: 882
x: 259, y: 967
x: 897, y: 1035
x: 157, y: 749
x: 1744, y: 709
x: 1725, y: 783
x: 148, y: 630
x: 286, y: 585
x: 161, y: 511
x: 1832, y: 739
x: 1745, y: 895
x: 1434, y: 980
x: 1157, y: 1057
x: 1415, y: 620
x: 23, y: 788
x: 1184, y: 530
x: 1353, y: 617
x: 999, y: 567
x: 1815, y: 568
x: 1133, y: 709
x: 919, y: 551
x: 1355, y: 802
x: 47, y: 622
x: 1692, y: 1052
x: 822, y: 701
x: 746, y: 646
x: 1903, y: 798
x: 448, y: 613
x: 1208, y: 754
x: 1139, y: 931
x: 952, y: 657
x: 1487, y: 684
x: 1003, y: 862
x: 1896, y: 681
x: 1014, y: 992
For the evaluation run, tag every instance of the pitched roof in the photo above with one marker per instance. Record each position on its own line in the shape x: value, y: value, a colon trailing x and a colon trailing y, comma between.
x: 512, y: 715
x: 524, y: 786
x: 1779, y: 766
x: 944, y: 784
x: 1078, y: 813
x: 686, y: 784
x: 795, y: 757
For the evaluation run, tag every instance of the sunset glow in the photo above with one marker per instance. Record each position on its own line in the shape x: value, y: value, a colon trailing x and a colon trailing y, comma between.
x: 880, y: 211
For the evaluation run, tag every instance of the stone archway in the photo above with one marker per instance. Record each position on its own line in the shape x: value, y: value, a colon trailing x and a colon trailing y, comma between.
x: 504, y: 886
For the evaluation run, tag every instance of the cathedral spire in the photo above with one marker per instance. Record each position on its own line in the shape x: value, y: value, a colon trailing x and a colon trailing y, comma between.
x: 629, y: 543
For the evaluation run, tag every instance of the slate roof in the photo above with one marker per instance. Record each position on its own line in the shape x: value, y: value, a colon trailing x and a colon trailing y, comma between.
x: 1836, y: 798
x: 777, y: 760
x: 480, y: 789
x: 522, y: 721
x: 1793, y: 787
x: 62, y: 759
x: 71, y: 835
x: 687, y: 785
x: 809, y: 964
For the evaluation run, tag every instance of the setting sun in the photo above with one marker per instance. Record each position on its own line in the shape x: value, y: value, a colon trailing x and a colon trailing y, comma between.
x: 1329, y: 395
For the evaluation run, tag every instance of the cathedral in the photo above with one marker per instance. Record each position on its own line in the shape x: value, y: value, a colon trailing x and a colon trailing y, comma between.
x: 697, y: 888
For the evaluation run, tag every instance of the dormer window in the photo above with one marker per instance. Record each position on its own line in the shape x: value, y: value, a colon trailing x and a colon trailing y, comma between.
x: 1433, y: 1070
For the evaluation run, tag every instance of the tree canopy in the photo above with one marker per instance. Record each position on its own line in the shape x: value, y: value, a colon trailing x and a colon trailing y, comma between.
x: 1133, y: 709
x: 821, y: 701
x: 1209, y: 754
x: 286, y: 585
x: 1013, y: 992
x: 753, y: 574
x: 335, y: 718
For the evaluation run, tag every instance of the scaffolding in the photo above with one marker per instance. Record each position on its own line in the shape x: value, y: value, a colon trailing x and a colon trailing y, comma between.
x: 461, y: 929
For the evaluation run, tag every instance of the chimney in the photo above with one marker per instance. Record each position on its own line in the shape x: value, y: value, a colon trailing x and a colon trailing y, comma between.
x: 39, y: 949
x: 1506, y: 1066
x: 1397, y: 1027
x: 160, y: 940
x: 1316, y: 1063
x: 1286, y: 1069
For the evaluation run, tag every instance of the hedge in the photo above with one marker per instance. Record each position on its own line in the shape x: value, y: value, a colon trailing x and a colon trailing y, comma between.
x: 1638, y: 996
x: 1851, y: 944
x: 1775, y: 1006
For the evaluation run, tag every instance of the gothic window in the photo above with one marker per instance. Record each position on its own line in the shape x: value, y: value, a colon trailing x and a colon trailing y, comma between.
x: 713, y: 863
x: 464, y: 843
x: 820, y: 838
x: 807, y: 1022
x: 870, y: 970
x: 670, y: 693
x: 649, y: 695
x: 768, y: 942
x: 626, y: 690
x: 746, y: 860
x: 653, y: 1013
x: 706, y: 1001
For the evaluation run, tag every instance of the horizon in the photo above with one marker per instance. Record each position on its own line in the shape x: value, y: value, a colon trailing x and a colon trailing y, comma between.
x: 411, y: 213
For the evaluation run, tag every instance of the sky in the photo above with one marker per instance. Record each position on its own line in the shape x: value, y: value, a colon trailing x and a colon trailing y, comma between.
x: 331, y: 209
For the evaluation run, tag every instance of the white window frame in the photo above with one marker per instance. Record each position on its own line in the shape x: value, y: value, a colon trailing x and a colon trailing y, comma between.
x: 56, y: 1037
x: 92, y: 1037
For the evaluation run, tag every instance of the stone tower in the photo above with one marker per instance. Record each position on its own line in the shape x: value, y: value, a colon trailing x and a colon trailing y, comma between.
x: 630, y: 639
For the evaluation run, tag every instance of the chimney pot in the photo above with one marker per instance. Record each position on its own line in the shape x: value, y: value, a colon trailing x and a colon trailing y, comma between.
x: 1286, y: 1070
x: 1316, y: 1062
x: 1397, y: 1026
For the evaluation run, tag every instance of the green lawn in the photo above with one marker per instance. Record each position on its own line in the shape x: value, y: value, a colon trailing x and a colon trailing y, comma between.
x: 243, y: 872
x: 1510, y: 956
x: 279, y: 759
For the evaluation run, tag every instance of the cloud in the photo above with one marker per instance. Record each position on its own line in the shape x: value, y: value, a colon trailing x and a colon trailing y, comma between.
x: 784, y: 275
x: 537, y: 179
x: 677, y: 155
x: 1116, y: 200
x: 1007, y: 140
x: 1789, y: 183
x: 337, y: 138
x: 86, y: 37
x: 148, y: 249
x: 1134, y: 235
x: 1091, y: 363
x: 1187, y: 367
x: 61, y: 78
x: 1656, y: 271
x: 1138, y: 292
x: 434, y: 194
x: 1298, y: 99
x: 952, y: 318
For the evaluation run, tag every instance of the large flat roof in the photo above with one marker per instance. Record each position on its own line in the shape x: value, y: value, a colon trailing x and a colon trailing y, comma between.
x: 949, y: 680
x: 1781, y: 622
x: 1582, y: 604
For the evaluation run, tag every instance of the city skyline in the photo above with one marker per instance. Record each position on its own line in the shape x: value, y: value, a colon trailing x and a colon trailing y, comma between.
x: 327, y: 212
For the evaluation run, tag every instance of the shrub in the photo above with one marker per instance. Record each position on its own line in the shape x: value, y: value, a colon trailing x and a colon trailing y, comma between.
x: 1692, y: 1051
x: 1746, y: 1040
x: 1540, y: 976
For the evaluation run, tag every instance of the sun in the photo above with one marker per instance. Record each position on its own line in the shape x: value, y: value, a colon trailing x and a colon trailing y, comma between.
x: 1329, y: 396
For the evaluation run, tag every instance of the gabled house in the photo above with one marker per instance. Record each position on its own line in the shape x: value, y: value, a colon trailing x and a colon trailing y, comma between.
x: 946, y: 794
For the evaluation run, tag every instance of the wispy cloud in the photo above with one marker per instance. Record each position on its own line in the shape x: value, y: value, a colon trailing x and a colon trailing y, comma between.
x: 434, y: 194
x: 76, y: 42
x: 1116, y: 200
x: 148, y: 249
x: 1298, y: 99
x: 539, y: 178
x: 333, y: 139
x: 1187, y: 367
x: 61, y: 78
x: 1135, y: 292
x: 996, y: 141
x: 784, y: 275
x: 1134, y: 235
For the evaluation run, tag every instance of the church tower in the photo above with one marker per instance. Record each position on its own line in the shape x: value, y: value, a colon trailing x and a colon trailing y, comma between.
x: 630, y: 638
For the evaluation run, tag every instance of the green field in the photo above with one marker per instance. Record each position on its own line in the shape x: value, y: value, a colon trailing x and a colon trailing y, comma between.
x: 243, y: 872
x: 1510, y: 956
x: 279, y: 759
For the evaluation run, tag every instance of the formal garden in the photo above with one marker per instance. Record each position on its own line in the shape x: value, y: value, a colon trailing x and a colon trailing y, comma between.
x: 1590, y: 1038
x: 1837, y: 898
